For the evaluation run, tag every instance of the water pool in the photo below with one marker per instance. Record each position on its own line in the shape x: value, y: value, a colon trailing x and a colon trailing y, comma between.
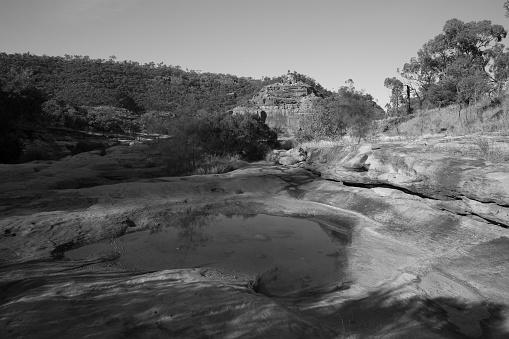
x: 289, y: 254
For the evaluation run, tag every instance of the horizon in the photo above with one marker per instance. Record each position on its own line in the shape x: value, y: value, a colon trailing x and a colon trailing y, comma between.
x: 329, y: 41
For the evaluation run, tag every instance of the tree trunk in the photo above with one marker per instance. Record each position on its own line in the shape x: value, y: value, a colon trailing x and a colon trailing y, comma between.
x: 409, y: 110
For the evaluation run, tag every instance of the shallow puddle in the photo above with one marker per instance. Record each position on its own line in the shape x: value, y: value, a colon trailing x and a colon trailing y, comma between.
x: 290, y: 254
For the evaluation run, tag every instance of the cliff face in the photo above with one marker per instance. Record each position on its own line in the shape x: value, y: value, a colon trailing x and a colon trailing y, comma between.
x: 283, y: 104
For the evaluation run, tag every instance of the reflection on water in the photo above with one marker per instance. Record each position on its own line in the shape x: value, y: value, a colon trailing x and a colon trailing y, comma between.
x: 290, y: 254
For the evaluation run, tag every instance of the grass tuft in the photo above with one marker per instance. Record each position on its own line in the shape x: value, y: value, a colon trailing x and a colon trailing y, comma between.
x: 218, y: 165
x: 487, y: 116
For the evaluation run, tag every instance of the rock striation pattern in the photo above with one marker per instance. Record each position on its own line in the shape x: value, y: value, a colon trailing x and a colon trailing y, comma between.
x: 281, y: 105
x: 426, y: 245
x: 465, y: 185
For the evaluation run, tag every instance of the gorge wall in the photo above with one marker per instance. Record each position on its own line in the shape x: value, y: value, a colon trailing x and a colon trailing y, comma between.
x: 283, y: 104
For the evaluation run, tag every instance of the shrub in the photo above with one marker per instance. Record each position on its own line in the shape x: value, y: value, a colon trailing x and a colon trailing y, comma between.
x: 349, y: 112
x: 228, y: 134
x: 455, y: 119
x: 218, y: 165
x: 194, y: 141
x: 181, y: 156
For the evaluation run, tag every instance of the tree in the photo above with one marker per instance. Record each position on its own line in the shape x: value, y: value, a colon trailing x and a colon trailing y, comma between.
x: 60, y: 114
x: 470, y: 47
x: 499, y: 69
x: 351, y: 84
x: 125, y: 99
x: 228, y: 134
x: 417, y: 79
x: 359, y: 112
x: 21, y: 99
x: 328, y: 121
x: 20, y: 106
x: 396, y: 88
x: 471, y: 82
x: 347, y: 111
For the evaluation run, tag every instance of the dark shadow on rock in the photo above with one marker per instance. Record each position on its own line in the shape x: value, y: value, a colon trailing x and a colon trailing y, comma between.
x: 45, y: 202
x: 294, y: 182
x: 385, y: 313
x: 162, y: 305
x: 61, y: 299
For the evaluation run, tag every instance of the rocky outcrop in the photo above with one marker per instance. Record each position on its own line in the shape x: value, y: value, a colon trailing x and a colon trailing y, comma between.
x: 463, y: 185
x: 290, y: 157
x: 424, y: 252
x: 282, y: 104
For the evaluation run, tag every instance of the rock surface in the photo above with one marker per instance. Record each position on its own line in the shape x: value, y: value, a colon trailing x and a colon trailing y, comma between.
x: 424, y: 259
x: 465, y: 185
x: 292, y: 156
x: 282, y: 104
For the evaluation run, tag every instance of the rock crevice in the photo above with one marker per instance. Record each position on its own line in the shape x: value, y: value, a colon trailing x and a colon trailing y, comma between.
x: 460, y: 185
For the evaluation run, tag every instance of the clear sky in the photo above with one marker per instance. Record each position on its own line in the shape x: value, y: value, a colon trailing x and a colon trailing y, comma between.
x: 328, y: 40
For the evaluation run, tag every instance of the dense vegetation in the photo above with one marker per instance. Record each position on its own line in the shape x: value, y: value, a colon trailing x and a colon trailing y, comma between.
x: 461, y: 65
x: 113, y: 97
x: 465, y: 64
x: 348, y: 111
x: 219, y: 135
x: 81, y: 81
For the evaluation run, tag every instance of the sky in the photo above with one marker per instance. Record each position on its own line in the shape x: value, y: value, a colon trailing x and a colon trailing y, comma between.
x: 329, y: 40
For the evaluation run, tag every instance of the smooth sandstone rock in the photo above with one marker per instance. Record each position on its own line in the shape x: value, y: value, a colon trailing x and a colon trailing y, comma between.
x: 477, y: 186
x: 292, y: 157
x: 426, y: 249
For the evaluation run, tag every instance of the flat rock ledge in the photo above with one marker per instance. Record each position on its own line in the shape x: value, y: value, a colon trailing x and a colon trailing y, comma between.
x: 464, y: 185
x: 427, y: 254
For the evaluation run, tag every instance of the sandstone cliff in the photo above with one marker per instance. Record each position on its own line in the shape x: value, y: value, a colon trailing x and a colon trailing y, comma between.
x: 282, y: 104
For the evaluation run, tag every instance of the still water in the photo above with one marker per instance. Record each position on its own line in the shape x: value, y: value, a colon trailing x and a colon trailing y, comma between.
x: 290, y: 254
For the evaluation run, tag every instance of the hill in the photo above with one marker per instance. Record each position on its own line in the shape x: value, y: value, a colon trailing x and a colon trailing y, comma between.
x: 110, y: 97
x: 105, y: 96
x: 81, y: 81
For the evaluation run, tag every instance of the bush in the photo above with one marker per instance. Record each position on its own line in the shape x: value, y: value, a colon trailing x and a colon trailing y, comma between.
x: 180, y: 155
x: 218, y: 165
x: 228, y: 134
x: 195, y: 141
x: 455, y: 119
x: 346, y: 112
